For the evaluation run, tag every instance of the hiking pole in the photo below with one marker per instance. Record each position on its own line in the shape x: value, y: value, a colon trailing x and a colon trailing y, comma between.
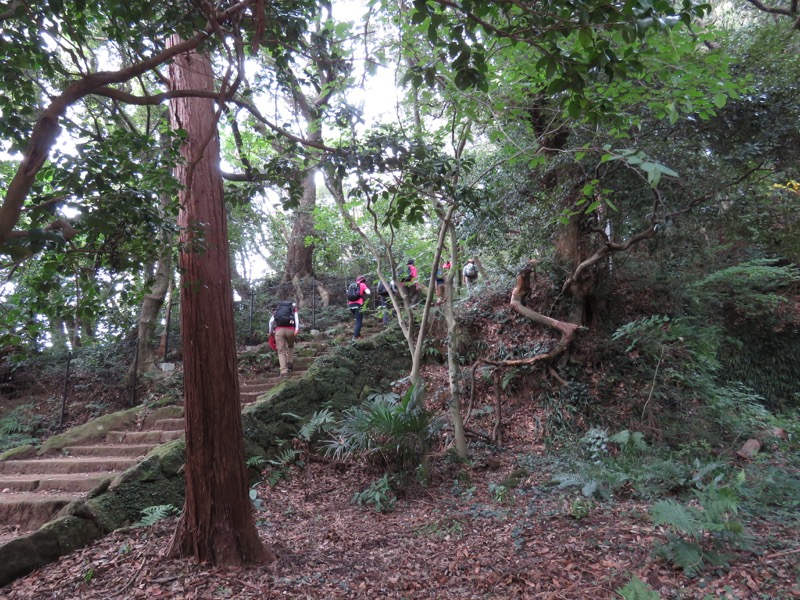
x: 135, y: 373
x: 313, y: 303
x: 250, y: 319
x: 64, y: 395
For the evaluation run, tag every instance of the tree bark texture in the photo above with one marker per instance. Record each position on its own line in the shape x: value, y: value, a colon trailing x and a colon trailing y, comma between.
x: 217, y: 524
x: 299, y: 257
x: 151, y: 307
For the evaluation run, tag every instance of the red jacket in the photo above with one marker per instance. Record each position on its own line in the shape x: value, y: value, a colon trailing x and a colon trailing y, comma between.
x: 412, y: 278
x: 364, y: 291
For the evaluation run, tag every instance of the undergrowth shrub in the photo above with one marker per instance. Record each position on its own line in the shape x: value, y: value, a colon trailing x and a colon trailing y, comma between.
x: 18, y: 429
x: 683, y: 356
x: 379, y: 495
x: 636, y: 589
x: 704, y: 535
x: 623, y: 464
x: 391, y: 432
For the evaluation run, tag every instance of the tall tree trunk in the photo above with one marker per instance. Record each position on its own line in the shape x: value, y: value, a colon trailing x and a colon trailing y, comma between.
x: 299, y: 256
x: 217, y: 523
x: 459, y: 435
x: 58, y: 334
x: 151, y: 307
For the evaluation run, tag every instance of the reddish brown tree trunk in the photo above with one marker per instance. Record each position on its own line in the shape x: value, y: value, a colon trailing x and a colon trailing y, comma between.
x: 217, y: 523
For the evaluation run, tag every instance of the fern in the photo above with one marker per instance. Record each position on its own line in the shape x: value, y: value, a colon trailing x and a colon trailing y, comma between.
x: 696, y: 536
x: 686, y: 555
x: 281, y: 465
x: 320, y: 422
x: 636, y: 589
x: 629, y: 440
x: 676, y: 516
x: 256, y: 462
x: 10, y: 426
x: 153, y: 514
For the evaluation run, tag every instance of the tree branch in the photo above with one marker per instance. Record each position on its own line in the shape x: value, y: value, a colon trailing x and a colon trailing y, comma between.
x: 47, y: 129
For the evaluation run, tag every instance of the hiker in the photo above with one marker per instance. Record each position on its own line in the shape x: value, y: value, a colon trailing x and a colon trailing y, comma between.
x: 356, y: 292
x: 383, y: 297
x: 470, y: 273
x: 409, y: 281
x: 440, y: 273
x: 285, y: 324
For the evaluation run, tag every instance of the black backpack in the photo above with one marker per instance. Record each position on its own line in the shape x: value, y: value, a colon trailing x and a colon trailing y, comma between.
x: 382, y: 291
x: 471, y: 270
x: 353, y: 292
x: 284, y: 314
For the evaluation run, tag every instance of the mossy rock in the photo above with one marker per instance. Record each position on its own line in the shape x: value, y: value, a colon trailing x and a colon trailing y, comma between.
x: 124, y: 504
x: 19, y: 453
x: 17, y: 558
x: 71, y: 532
x: 93, y: 431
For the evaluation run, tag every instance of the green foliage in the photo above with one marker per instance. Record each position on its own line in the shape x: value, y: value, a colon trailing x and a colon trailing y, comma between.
x: 580, y: 508
x: 18, y: 428
x: 256, y: 462
x: 752, y: 290
x: 321, y: 422
x: 500, y: 493
x: 442, y: 529
x: 772, y: 488
x: 700, y: 536
x: 685, y: 355
x: 379, y: 495
x: 153, y: 514
x: 390, y: 431
x: 636, y: 589
x: 280, y: 466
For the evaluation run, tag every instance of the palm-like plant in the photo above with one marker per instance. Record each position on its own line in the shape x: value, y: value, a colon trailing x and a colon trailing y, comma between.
x: 388, y: 430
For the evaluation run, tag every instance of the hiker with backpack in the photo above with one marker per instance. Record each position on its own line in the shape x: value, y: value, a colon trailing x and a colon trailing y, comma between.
x: 470, y: 273
x: 285, y: 325
x: 440, y: 274
x: 409, y: 281
x: 383, y: 297
x: 356, y: 293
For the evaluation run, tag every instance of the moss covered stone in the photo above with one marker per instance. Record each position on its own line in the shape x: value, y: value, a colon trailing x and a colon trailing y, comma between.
x: 92, y: 431
x: 19, y: 453
x: 124, y: 504
x: 17, y: 558
x: 71, y: 532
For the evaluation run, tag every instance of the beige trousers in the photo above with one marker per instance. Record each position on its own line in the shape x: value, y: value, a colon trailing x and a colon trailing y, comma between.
x: 284, y: 339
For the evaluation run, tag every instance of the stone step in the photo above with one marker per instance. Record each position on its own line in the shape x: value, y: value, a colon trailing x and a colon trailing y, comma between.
x: 142, y: 437
x: 65, y: 482
x: 303, y: 362
x: 135, y: 450
x: 86, y: 464
x: 260, y: 386
x: 30, y: 511
x: 177, y: 424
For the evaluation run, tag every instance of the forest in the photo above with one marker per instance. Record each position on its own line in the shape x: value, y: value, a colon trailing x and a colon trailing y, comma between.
x: 608, y: 409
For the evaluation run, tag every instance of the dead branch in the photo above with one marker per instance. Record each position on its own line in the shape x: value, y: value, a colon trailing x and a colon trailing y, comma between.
x: 497, y: 431
x: 471, y: 392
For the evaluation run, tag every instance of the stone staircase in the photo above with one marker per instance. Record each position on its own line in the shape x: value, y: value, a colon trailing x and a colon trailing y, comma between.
x: 34, y: 490
x: 249, y: 391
